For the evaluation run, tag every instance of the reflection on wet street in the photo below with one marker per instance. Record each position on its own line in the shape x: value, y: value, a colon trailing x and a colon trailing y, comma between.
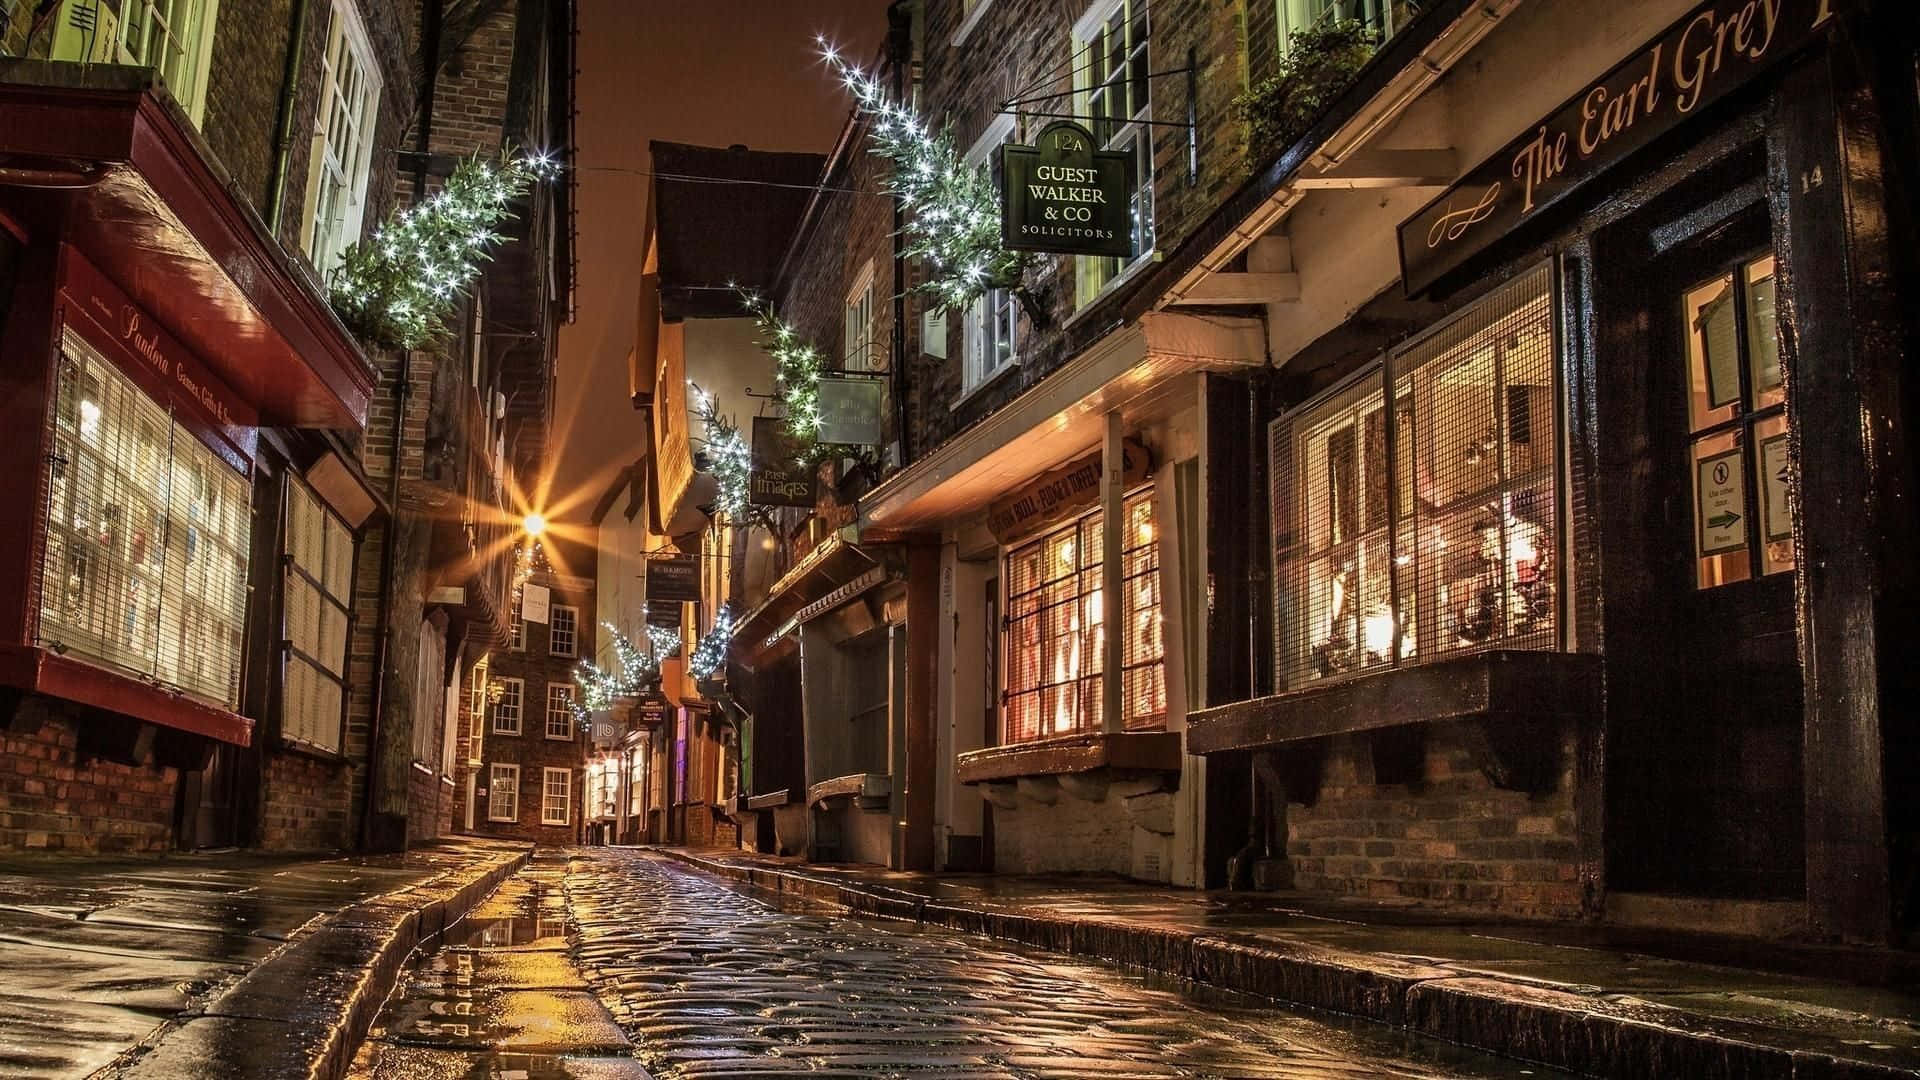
x: 710, y: 983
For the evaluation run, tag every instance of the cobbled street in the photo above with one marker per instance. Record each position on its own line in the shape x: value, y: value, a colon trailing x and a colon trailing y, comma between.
x: 707, y: 982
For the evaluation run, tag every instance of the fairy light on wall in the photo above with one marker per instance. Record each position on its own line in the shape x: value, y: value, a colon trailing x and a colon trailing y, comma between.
x: 711, y: 653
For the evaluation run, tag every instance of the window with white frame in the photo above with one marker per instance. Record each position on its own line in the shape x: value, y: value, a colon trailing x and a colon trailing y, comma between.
x: 1383, y: 17
x: 1114, y: 90
x: 503, y: 793
x: 560, y: 722
x: 992, y: 321
x: 342, y: 139
x: 477, y: 710
x: 517, y: 639
x: 556, y: 796
x: 861, y: 352
x: 563, y: 626
x: 317, y: 582
x: 175, y: 36
x: 145, y: 564
x: 506, y: 711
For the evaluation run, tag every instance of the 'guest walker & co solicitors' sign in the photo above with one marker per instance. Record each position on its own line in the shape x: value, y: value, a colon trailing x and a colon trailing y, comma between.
x: 1062, y: 195
x: 1700, y: 59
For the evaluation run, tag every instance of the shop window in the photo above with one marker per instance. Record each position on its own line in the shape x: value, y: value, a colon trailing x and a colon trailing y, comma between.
x: 556, y: 796
x: 506, y: 711
x: 1055, y: 640
x: 1431, y: 530
x: 145, y: 568
x: 342, y: 139
x: 560, y: 711
x: 316, y: 597
x: 503, y: 793
x: 992, y: 320
x: 562, y: 629
x: 637, y: 781
x: 1736, y: 411
x: 1114, y: 91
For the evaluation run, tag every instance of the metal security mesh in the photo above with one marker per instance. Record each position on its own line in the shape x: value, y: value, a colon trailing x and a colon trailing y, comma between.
x: 146, y: 559
x: 1055, y: 632
x: 1410, y: 533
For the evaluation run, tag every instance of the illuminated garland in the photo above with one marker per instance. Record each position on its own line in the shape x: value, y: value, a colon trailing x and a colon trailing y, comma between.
x: 396, y: 288
x: 711, y: 653
x: 729, y: 455
x: 953, y: 209
x: 600, y: 689
x: 796, y: 368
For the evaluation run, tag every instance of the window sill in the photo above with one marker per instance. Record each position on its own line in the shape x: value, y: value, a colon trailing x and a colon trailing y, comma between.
x: 967, y: 24
x: 1118, y: 282
x: 491, y: 820
x: 422, y: 769
x: 510, y: 734
x: 558, y: 738
x: 309, y: 750
x: 869, y: 791
x: 1138, y: 751
x: 980, y: 387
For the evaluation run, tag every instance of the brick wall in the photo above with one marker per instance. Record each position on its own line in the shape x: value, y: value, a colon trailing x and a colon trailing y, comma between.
x: 1451, y: 837
x: 304, y: 803
x: 55, y: 800
x: 1071, y: 835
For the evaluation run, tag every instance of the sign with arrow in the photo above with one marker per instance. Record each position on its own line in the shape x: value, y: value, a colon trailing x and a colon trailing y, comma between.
x: 1774, y: 484
x: 1720, y: 503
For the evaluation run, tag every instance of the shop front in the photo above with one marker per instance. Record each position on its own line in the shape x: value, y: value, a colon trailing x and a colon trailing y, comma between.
x: 159, y: 356
x: 1580, y: 588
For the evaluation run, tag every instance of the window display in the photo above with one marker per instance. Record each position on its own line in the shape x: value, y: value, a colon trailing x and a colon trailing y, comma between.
x: 145, y: 567
x: 1409, y: 534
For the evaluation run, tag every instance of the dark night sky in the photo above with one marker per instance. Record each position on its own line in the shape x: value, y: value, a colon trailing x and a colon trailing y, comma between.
x: 714, y: 72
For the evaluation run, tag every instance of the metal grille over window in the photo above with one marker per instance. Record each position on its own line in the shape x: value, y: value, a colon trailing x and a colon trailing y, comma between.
x: 145, y: 567
x: 564, y: 622
x: 319, y: 574
x: 1055, y: 640
x: 1430, y: 530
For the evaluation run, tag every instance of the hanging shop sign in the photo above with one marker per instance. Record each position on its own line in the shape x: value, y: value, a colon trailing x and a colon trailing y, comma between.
x: 1061, y: 195
x: 776, y: 476
x: 1702, y: 58
x: 1060, y: 494
x: 536, y: 602
x: 673, y: 579
x: 666, y: 614
x: 850, y: 408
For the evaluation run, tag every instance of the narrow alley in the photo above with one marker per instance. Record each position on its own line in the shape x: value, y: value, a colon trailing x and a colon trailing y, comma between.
x: 706, y: 982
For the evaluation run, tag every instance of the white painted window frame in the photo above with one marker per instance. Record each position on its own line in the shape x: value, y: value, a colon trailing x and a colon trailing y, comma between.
x: 343, y: 134
x: 563, y: 714
x: 573, y: 630
x: 496, y: 788
x: 996, y: 309
x: 518, y: 687
x: 547, y: 794
x: 1135, y: 137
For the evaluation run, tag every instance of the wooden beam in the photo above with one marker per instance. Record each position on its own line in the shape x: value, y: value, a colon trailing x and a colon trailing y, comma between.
x: 1372, y: 169
x: 1229, y: 288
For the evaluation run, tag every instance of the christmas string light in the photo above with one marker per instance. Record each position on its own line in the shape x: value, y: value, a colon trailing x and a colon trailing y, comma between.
x: 601, y: 689
x: 711, y: 652
x: 953, y: 209
x: 729, y: 455
x: 796, y: 368
x: 395, y: 288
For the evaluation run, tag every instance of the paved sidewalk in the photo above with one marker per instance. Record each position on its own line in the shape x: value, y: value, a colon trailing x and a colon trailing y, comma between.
x: 141, y: 963
x: 1587, y: 999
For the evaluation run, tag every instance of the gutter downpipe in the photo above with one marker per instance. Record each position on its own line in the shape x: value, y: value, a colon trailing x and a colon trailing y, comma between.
x: 283, y: 119
x: 402, y: 390
x: 900, y: 55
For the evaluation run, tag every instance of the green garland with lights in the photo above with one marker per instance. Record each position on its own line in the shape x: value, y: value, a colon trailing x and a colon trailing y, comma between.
x: 953, y: 208
x: 710, y: 654
x: 797, y: 365
x: 600, y: 689
x: 396, y: 288
x: 729, y: 457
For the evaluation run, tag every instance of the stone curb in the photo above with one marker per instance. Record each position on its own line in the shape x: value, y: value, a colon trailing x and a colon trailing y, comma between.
x: 305, y: 1009
x: 1586, y: 1034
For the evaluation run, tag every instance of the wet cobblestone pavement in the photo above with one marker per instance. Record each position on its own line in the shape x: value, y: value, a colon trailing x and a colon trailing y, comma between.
x: 709, y: 983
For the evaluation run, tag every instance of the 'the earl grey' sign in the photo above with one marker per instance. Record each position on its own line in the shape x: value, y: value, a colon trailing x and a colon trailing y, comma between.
x: 1062, y: 195
x: 1701, y: 58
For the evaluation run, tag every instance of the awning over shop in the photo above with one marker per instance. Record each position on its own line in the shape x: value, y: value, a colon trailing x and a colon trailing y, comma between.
x: 828, y: 567
x: 1062, y: 415
x: 100, y: 157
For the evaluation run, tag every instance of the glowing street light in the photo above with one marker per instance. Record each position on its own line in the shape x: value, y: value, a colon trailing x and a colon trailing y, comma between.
x: 534, y: 524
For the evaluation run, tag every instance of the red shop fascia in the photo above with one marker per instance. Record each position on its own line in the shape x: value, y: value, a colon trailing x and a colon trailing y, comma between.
x: 135, y: 265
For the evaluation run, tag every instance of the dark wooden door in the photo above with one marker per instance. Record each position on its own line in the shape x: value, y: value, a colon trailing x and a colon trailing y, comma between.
x: 1705, y: 697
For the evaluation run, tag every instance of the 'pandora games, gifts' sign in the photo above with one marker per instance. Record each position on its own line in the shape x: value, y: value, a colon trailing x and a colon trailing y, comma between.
x: 1062, y: 195
x: 1700, y: 59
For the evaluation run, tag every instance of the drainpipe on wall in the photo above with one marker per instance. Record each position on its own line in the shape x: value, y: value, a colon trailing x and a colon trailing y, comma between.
x: 900, y: 56
x: 402, y: 390
x: 283, y: 119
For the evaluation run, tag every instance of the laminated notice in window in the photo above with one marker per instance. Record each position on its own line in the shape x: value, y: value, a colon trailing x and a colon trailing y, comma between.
x: 1774, y: 481
x: 1720, y: 503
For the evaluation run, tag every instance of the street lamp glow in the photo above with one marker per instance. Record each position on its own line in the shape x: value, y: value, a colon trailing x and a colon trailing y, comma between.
x: 534, y: 524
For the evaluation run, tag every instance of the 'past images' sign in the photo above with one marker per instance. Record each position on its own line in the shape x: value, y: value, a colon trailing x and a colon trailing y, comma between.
x: 1061, y: 195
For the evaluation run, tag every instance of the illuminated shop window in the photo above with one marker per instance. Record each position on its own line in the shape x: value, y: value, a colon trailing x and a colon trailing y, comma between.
x: 1414, y: 535
x: 1055, y: 640
x: 1737, y: 422
x: 145, y: 568
x: 319, y: 574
